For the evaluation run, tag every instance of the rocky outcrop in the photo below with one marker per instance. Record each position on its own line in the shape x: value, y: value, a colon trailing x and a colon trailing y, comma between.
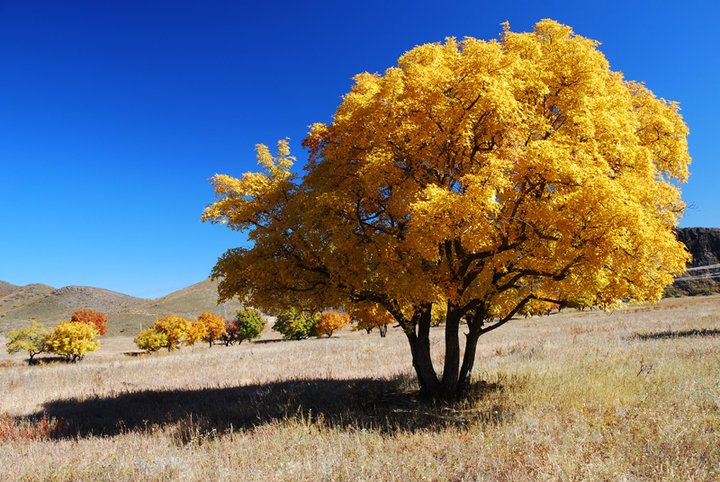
x: 703, y: 244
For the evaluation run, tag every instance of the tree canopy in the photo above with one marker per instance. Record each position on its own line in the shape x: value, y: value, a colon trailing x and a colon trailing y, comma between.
x: 487, y: 176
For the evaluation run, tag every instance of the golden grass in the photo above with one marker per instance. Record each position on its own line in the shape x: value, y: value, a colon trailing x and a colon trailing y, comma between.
x: 631, y: 395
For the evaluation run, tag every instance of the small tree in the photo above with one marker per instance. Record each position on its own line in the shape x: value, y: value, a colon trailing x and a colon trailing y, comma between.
x: 248, y: 325
x: 196, y: 332
x: 370, y: 316
x: 151, y: 340
x: 214, y: 327
x: 94, y: 318
x: 175, y: 328
x: 331, y: 321
x: 73, y: 340
x: 30, y: 338
x: 295, y: 325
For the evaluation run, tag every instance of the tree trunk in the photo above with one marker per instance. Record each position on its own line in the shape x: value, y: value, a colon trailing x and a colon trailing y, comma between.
x: 383, y: 330
x: 422, y: 362
x: 471, y: 340
x: 452, y: 354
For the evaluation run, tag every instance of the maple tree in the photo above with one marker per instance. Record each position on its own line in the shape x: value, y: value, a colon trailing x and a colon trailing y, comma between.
x: 491, y: 177
x: 94, y: 318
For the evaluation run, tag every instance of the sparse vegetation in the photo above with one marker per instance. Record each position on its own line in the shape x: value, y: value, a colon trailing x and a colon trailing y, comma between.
x: 576, y: 396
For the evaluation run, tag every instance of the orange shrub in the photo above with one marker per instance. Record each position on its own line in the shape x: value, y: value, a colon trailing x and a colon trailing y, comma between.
x: 94, y: 318
x: 331, y: 321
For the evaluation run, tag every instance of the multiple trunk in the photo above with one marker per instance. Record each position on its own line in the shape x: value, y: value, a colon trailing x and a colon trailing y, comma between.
x: 455, y: 380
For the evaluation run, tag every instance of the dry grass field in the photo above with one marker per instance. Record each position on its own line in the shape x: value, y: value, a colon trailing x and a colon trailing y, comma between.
x: 628, y: 395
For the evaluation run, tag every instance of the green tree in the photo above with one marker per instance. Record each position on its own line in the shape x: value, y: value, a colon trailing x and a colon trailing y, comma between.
x: 295, y: 325
x: 30, y: 338
x: 247, y: 325
x: 151, y: 340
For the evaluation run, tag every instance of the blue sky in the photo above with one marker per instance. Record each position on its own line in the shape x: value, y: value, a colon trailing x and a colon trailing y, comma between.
x: 113, y: 115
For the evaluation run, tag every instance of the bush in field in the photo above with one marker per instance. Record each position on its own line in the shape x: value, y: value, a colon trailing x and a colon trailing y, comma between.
x: 151, y: 340
x: 175, y: 328
x: 247, y: 325
x: 295, y: 325
x: 367, y: 317
x: 214, y: 327
x: 94, y: 318
x: 73, y: 340
x: 30, y: 338
x: 330, y: 322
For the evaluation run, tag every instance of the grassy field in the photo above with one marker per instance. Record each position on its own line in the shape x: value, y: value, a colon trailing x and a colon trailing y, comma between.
x: 628, y: 395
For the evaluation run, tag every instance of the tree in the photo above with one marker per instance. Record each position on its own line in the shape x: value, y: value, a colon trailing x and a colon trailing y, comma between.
x: 94, y: 318
x: 73, y: 340
x: 30, y: 338
x: 368, y: 316
x: 151, y: 340
x: 294, y: 324
x: 248, y: 325
x: 479, y: 175
x: 330, y: 322
x: 175, y: 328
x: 214, y: 327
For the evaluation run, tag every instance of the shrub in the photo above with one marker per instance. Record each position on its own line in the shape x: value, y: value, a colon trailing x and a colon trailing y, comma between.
x: 30, y: 338
x: 73, y: 340
x: 94, y: 318
x: 151, y: 340
x: 247, y: 325
x: 295, y: 325
x: 43, y: 429
x: 175, y: 328
x: 331, y: 321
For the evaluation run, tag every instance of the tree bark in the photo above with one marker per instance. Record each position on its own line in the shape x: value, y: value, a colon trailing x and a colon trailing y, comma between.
x: 422, y: 361
x: 452, y: 354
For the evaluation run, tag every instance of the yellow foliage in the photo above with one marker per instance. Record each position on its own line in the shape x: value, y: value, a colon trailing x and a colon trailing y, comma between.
x: 175, y: 328
x: 150, y: 340
x: 73, y: 339
x: 330, y: 322
x: 490, y: 177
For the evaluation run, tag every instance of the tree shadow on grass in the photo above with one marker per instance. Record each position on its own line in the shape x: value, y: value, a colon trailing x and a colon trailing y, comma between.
x: 385, y: 405
x: 662, y: 335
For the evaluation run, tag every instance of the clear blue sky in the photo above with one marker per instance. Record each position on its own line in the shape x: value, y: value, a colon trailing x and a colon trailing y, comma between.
x: 114, y: 114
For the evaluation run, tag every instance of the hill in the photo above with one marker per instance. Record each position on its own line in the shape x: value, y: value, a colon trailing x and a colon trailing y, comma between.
x: 126, y: 314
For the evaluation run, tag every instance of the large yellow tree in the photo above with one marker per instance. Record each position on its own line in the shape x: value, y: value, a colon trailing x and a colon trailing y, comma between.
x: 490, y: 177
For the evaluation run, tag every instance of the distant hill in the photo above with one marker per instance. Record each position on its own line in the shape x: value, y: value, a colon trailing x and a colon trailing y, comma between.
x: 48, y: 305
